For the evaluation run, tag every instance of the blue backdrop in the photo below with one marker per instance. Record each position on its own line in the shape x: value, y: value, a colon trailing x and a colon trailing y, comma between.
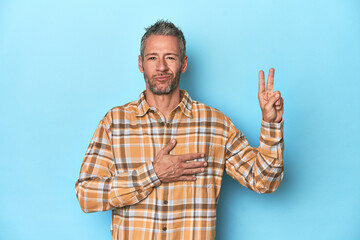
x: 64, y: 64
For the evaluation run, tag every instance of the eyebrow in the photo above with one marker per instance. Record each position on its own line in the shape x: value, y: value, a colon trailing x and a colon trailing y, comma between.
x: 158, y: 54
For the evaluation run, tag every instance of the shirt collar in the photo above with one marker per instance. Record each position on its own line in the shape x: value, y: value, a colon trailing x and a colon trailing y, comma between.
x: 185, y: 104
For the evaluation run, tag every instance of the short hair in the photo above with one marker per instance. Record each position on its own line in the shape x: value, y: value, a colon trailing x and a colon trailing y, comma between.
x: 165, y: 28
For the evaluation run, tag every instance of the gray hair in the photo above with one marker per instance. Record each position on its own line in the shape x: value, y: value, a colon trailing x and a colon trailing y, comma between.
x: 164, y: 28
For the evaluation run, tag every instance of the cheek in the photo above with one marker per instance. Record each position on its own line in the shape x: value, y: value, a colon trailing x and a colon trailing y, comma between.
x: 147, y: 70
x: 175, y: 68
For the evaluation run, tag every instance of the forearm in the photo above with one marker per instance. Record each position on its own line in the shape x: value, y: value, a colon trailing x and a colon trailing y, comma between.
x: 260, y: 169
x: 96, y: 193
x: 260, y: 174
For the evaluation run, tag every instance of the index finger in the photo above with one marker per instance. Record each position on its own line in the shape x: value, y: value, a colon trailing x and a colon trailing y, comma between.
x: 270, y: 82
x: 261, y: 82
x: 190, y: 156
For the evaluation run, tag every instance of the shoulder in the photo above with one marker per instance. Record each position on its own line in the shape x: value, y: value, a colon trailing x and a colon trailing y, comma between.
x: 201, y: 110
x: 120, y: 113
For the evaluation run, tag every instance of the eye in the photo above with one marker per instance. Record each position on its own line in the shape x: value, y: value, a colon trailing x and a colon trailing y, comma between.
x: 151, y: 58
x: 170, y: 58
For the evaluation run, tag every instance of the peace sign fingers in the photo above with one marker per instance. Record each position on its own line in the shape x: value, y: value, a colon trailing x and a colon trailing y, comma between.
x: 270, y: 81
x: 271, y: 103
x: 261, y: 82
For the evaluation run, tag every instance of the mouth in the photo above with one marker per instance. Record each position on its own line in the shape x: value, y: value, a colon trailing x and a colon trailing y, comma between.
x: 162, y: 78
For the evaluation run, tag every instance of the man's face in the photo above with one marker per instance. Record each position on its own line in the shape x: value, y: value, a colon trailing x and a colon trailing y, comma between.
x: 161, y: 64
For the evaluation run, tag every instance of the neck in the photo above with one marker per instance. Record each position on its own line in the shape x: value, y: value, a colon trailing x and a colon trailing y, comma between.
x: 164, y: 103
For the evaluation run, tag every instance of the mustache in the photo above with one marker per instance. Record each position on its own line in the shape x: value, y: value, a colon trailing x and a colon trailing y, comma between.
x: 163, y: 74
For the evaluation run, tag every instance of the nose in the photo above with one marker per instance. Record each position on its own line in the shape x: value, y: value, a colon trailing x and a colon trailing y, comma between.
x: 162, y: 65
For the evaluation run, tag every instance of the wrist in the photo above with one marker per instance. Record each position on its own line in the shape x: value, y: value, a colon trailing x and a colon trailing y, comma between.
x: 272, y: 121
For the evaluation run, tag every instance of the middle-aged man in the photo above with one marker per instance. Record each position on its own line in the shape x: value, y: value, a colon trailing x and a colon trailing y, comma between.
x: 157, y: 162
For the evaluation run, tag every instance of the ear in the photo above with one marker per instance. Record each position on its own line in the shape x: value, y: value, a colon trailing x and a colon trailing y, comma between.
x: 140, y: 63
x: 184, y: 64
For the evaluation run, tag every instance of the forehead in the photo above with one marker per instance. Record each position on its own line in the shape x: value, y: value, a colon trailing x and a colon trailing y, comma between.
x: 161, y: 44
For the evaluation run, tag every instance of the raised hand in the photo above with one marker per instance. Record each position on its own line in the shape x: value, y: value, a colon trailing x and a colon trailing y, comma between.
x: 171, y: 168
x: 271, y: 103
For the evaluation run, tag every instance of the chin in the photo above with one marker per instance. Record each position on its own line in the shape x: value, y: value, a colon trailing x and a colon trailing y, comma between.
x: 161, y: 91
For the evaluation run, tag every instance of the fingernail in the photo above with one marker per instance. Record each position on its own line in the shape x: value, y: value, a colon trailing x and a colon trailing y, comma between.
x: 202, y: 169
x: 202, y: 155
x: 194, y: 178
x: 205, y: 164
x: 173, y: 140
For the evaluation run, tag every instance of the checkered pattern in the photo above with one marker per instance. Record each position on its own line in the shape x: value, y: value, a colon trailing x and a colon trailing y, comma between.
x: 117, y: 172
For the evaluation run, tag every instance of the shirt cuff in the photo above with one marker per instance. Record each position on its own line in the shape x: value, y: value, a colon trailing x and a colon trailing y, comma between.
x: 147, y: 172
x: 273, y: 125
x: 273, y: 131
x: 271, y: 139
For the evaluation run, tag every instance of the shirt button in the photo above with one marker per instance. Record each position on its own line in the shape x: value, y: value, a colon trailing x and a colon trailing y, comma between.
x: 164, y: 229
x: 165, y: 202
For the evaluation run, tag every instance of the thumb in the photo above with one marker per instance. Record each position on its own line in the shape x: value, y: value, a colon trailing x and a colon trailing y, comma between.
x: 273, y: 99
x: 169, y: 146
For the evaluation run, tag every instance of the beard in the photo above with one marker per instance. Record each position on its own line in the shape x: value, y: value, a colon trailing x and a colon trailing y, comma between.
x: 162, y: 90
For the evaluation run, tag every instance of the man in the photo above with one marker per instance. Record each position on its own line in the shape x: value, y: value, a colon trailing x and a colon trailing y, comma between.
x: 157, y: 162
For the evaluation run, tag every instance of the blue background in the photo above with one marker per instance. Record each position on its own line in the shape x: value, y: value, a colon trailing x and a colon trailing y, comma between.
x: 64, y: 64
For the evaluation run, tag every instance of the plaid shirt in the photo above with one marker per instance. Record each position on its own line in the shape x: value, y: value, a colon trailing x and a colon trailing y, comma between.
x: 117, y: 172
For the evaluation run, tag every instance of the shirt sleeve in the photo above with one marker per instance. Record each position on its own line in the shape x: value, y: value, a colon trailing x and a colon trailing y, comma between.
x: 100, y: 188
x: 259, y: 169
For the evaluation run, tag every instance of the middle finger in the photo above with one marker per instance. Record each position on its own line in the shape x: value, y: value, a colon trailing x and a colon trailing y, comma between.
x: 195, y: 164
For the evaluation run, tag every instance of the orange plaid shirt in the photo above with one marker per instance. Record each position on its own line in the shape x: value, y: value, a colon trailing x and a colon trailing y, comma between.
x: 117, y: 172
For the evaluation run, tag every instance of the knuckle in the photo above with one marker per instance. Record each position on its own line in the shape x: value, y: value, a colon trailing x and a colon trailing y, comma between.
x: 181, y: 165
x: 187, y: 179
x: 196, y: 164
x: 193, y: 165
x: 190, y: 156
x: 201, y: 164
